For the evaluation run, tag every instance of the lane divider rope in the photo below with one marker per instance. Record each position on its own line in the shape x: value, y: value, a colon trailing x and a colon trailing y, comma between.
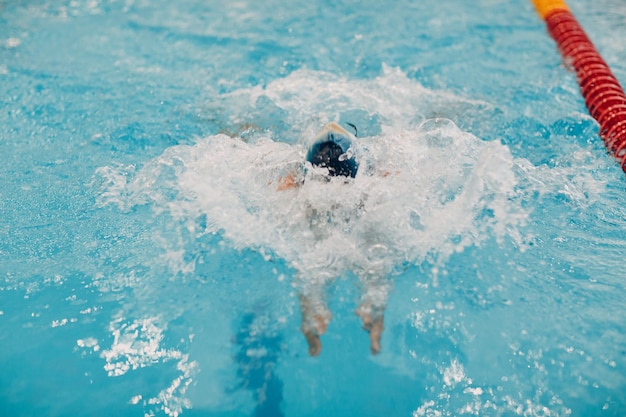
x: 603, y: 94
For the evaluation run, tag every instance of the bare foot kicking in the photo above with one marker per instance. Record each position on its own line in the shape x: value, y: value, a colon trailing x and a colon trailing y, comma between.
x: 314, y: 325
x: 315, y: 344
x: 376, y: 332
x: 374, y: 326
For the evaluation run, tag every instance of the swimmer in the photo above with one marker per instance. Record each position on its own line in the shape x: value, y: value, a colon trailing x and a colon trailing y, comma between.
x: 328, y: 150
x: 331, y: 149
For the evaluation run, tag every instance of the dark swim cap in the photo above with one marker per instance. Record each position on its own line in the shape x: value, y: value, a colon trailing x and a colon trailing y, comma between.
x: 329, y: 151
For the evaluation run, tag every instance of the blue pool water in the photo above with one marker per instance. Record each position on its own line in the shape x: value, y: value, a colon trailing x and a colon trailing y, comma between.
x: 149, y: 266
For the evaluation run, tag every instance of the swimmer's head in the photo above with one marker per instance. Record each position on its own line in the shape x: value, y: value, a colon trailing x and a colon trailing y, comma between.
x: 329, y: 151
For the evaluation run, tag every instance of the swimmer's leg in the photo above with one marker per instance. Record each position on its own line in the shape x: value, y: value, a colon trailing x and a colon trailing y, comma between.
x: 371, y: 309
x: 315, y: 315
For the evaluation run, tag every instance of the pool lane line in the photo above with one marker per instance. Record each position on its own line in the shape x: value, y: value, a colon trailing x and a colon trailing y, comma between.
x: 603, y: 94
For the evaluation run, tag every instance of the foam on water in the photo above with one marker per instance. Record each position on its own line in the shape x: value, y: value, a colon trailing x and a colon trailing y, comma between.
x: 491, y: 204
x: 425, y: 188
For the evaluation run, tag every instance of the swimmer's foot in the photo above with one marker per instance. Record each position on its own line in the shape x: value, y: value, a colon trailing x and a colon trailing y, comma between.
x: 312, y: 328
x: 376, y: 332
x: 315, y: 319
x: 315, y: 344
x: 373, y: 324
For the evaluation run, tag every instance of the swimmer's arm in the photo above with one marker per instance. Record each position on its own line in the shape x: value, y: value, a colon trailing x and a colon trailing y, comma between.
x: 288, y: 182
x: 292, y: 177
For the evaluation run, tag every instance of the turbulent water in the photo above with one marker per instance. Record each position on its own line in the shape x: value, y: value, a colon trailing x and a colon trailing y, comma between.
x: 150, y: 264
x: 425, y: 188
x: 426, y: 191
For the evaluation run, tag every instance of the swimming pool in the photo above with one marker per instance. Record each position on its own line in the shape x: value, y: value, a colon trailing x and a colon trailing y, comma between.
x: 148, y: 267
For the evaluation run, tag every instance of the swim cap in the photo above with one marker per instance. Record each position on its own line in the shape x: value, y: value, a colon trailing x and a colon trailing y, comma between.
x: 328, y: 151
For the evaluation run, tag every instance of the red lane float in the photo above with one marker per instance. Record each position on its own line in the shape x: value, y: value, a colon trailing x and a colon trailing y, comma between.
x: 603, y: 94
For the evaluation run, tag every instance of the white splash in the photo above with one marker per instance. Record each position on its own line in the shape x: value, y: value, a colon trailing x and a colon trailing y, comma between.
x: 137, y: 345
x: 428, y: 191
x: 454, y: 374
x: 425, y: 190
x: 312, y: 97
x: 88, y: 343
x: 460, y: 396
